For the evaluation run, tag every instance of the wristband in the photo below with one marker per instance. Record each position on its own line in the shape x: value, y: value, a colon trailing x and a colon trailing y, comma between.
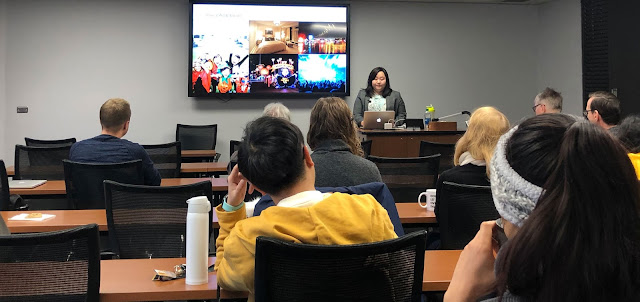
x: 229, y: 208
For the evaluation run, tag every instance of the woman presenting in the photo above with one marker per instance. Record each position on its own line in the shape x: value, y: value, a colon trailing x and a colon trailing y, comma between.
x: 378, y: 96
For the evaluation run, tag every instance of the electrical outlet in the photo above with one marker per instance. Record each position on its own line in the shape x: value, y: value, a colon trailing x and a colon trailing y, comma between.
x: 23, y: 109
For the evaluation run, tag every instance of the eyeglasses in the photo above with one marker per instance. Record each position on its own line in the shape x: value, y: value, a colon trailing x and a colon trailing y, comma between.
x: 584, y: 113
x: 534, y: 107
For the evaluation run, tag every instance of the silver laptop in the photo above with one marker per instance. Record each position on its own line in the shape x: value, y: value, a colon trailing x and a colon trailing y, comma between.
x: 25, y: 184
x: 377, y: 119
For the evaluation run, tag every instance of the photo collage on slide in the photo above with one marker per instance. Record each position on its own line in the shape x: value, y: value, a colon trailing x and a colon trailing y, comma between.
x: 235, y: 50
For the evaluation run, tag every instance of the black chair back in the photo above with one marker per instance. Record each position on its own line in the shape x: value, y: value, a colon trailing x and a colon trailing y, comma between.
x: 462, y: 208
x: 40, y: 162
x: 446, y: 152
x: 166, y: 158
x: 366, y: 147
x: 150, y: 221
x: 49, y: 143
x: 197, y: 137
x: 408, y: 177
x: 389, y: 270
x: 4, y: 189
x: 51, y: 266
x: 233, y: 146
x: 84, y: 181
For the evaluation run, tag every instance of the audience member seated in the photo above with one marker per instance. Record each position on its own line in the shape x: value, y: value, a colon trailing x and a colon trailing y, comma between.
x: 547, y: 101
x: 336, y: 149
x: 378, y: 190
x: 474, y: 150
x: 603, y: 109
x: 273, y: 159
x: 568, y: 198
x: 628, y: 132
x: 275, y: 109
x: 109, y: 147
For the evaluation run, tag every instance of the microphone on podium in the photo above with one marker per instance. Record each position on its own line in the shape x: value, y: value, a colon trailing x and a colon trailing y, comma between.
x: 452, y: 115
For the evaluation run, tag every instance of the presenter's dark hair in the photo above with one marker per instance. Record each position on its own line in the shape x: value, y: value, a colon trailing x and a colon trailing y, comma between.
x: 582, y: 240
x: 271, y: 154
x: 628, y: 132
x: 372, y: 75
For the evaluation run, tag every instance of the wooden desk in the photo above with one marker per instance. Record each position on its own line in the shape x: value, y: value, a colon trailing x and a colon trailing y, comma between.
x: 57, y: 187
x: 198, y: 153
x: 413, y: 213
x: 204, y: 167
x: 404, y: 143
x: 438, y: 269
x: 11, y: 171
x: 200, y: 167
x: 130, y: 280
x: 65, y: 219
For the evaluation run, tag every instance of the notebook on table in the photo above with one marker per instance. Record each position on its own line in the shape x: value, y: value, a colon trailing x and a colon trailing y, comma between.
x: 25, y: 184
x: 377, y: 119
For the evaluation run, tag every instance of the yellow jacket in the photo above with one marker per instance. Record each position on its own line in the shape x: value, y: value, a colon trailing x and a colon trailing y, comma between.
x: 635, y: 160
x: 338, y: 219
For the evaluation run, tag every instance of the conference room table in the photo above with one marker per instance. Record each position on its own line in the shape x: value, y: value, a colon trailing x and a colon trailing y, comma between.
x: 65, y: 219
x: 57, y: 187
x: 130, y: 279
x: 214, y: 168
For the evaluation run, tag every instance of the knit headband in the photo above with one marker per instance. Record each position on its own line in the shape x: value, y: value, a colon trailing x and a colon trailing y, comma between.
x: 513, y: 196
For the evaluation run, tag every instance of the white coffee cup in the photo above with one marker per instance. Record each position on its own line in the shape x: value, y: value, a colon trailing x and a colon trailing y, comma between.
x: 430, y: 195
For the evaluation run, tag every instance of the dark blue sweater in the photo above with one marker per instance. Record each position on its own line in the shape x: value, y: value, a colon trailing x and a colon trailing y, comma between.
x: 105, y: 148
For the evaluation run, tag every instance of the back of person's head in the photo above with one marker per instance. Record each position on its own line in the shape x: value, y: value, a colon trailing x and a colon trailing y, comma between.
x: 523, y: 159
x: 331, y: 118
x: 277, y: 110
x: 114, y: 113
x: 486, y: 125
x: 582, y: 240
x: 372, y: 75
x: 271, y: 155
x: 628, y: 132
x: 550, y: 98
x: 607, y: 105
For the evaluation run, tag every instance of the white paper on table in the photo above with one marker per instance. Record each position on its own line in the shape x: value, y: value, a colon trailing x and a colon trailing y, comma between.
x: 23, y: 217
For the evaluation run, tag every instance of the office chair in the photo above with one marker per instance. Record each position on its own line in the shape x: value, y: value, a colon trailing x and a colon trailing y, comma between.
x: 197, y: 137
x: 4, y: 230
x: 366, y: 147
x: 8, y: 201
x: 408, y: 177
x: 388, y: 270
x: 445, y: 150
x: 84, y: 181
x: 166, y: 158
x: 40, y: 162
x: 49, y: 143
x: 150, y: 221
x: 4, y: 189
x: 51, y: 266
x: 461, y: 210
x: 233, y: 146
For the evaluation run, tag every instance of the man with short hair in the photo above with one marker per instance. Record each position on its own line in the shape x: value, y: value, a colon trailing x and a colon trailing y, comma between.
x: 109, y: 147
x: 273, y: 159
x: 547, y: 101
x: 603, y: 109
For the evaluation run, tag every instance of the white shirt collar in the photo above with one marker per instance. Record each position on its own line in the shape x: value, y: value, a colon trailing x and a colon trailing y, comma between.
x: 303, y: 199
